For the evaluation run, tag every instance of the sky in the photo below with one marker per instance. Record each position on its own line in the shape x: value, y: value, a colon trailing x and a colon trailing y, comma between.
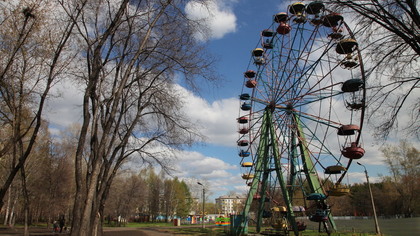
x: 234, y: 27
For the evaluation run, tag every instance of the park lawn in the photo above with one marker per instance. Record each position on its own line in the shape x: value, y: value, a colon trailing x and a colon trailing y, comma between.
x: 222, y: 232
x: 213, y: 231
x: 389, y: 227
x: 354, y: 227
x: 147, y: 224
x: 251, y: 230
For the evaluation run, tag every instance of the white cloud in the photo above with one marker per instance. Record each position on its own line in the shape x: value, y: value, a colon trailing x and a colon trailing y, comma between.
x: 64, y: 107
x: 241, y: 189
x: 216, y: 16
x: 217, y: 120
x: 360, y: 177
x: 200, y: 166
x: 216, y: 175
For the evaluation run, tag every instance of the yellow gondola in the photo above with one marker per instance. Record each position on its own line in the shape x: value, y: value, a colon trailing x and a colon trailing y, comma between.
x: 346, y: 46
x: 280, y: 224
x: 247, y: 176
x: 339, y: 190
x: 258, y: 52
x: 247, y: 164
x: 279, y: 209
x: 334, y: 170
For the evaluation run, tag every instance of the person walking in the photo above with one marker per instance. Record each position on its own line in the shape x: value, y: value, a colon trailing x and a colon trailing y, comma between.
x: 61, y: 222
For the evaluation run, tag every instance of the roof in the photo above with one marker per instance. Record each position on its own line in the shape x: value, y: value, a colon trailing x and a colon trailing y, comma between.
x: 230, y: 197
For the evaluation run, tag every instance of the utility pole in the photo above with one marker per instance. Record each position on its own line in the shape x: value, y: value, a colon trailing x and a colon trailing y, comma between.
x: 378, y: 231
x: 204, y: 202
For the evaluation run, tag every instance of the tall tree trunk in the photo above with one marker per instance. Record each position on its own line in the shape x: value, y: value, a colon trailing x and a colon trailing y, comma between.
x: 89, y: 209
x: 26, y: 201
x: 9, y: 198
x: 11, y: 222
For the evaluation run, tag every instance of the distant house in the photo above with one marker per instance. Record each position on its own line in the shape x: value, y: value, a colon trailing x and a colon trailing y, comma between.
x: 230, y: 205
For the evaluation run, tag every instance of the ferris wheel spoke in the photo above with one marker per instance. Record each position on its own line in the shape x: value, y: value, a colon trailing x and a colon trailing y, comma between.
x: 297, y: 78
x: 319, y: 144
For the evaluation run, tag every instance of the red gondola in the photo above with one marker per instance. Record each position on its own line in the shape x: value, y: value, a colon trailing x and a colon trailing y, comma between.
x: 353, y: 152
x: 251, y: 83
x: 284, y: 28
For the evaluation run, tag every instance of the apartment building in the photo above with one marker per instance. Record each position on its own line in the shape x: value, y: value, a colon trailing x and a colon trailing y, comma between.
x: 230, y: 205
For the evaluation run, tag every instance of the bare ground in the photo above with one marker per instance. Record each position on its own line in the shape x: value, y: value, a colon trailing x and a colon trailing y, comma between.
x: 5, y: 231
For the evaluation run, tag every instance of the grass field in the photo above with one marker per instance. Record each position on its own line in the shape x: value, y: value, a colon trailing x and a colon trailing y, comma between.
x: 366, y: 227
x: 362, y: 227
x: 354, y: 227
x: 389, y: 227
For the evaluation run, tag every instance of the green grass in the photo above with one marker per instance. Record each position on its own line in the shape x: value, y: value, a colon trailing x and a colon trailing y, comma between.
x: 360, y: 227
x: 149, y: 224
x: 218, y: 231
x: 389, y: 227
x: 251, y: 230
x: 366, y: 227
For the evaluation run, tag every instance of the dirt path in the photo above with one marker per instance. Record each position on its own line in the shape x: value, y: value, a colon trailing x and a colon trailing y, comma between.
x: 136, y: 232
x: 4, y: 231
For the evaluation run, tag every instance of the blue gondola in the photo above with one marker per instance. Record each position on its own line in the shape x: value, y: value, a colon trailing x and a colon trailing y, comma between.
x: 243, y: 153
x: 246, y: 106
x: 316, y: 196
x: 245, y: 96
x: 319, y: 216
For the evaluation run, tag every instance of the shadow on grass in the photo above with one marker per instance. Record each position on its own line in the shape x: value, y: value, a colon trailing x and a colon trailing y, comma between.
x: 199, y: 231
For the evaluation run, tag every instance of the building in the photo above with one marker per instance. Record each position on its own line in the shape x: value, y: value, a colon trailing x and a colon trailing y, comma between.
x: 230, y: 205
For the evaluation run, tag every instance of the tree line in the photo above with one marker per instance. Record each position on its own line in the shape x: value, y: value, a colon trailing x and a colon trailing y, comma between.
x: 46, y: 191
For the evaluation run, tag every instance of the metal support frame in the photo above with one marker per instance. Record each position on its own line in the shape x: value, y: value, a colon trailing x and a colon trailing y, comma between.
x: 268, y: 152
x: 309, y: 169
x: 268, y: 139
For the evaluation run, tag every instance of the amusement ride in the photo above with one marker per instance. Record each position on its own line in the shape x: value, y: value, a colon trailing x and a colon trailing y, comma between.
x: 301, y: 116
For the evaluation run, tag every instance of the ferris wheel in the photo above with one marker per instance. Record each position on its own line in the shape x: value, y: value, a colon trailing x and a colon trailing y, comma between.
x: 301, y: 117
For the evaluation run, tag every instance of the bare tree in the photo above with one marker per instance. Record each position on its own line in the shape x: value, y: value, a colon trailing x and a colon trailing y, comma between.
x: 128, y: 192
x: 388, y: 32
x: 33, y: 44
x: 403, y: 161
x: 50, y: 178
x: 134, y: 51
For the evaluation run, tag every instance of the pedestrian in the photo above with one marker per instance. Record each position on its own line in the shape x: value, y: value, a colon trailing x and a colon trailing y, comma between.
x: 62, y: 222
x: 55, y: 226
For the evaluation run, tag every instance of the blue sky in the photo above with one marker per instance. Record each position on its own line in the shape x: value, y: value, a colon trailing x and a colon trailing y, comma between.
x: 235, y: 27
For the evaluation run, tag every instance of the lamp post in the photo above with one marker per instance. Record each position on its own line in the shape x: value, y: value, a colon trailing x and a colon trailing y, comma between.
x: 378, y: 231
x: 204, y: 202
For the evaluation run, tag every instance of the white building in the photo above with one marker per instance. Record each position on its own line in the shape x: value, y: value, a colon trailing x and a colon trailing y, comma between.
x: 230, y: 205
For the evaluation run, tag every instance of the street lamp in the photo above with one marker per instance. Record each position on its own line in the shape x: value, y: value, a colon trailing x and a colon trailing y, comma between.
x: 378, y: 231
x: 204, y: 202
